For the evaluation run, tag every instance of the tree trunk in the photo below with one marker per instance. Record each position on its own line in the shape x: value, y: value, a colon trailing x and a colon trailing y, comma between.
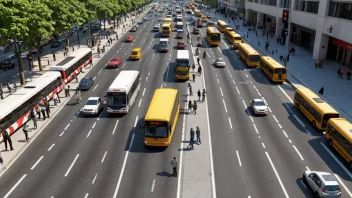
x: 20, y: 67
x: 104, y: 24
x: 39, y: 59
x: 67, y: 37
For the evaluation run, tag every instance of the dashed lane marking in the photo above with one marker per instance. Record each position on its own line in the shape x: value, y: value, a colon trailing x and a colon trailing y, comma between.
x: 34, y: 165
x: 239, y: 159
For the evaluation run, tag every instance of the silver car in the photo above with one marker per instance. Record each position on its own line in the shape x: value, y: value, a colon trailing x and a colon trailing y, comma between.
x: 323, y: 184
x: 259, y: 107
x: 220, y: 62
x: 93, y: 106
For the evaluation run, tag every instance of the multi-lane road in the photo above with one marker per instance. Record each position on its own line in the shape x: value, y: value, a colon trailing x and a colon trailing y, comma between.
x: 105, y: 156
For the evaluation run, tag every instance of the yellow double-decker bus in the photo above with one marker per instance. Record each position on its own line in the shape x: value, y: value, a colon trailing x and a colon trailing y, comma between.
x: 165, y: 30
x: 339, y: 135
x: 161, y: 118
x: 198, y: 13
x: 249, y: 55
x: 221, y: 25
x: 316, y: 110
x: 213, y: 36
x: 274, y: 70
x: 168, y: 21
x: 234, y: 38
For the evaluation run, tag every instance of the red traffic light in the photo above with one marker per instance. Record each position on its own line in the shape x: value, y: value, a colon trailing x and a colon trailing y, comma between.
x: 285, y: 16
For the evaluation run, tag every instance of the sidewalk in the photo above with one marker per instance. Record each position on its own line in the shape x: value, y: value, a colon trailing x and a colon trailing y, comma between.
x: 18, y: 138
x: 302, y: 71
x: 196, y: 171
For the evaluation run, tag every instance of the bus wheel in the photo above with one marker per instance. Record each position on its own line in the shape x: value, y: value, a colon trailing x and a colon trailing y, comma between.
x: 330, y: 142
x: 313, y: 123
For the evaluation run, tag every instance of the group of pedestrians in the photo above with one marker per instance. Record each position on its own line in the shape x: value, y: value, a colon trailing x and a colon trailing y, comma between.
x: 191, y: 140
x: 340, y: 74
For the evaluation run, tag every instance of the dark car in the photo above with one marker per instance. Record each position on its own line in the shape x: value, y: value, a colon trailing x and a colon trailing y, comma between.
x: 163, y: 48
x: 86, y: 83
x: 199, y: 24
x: 195, y: 30
x: 134, y: 28
x: 7, y: 64
x: 181, y: 45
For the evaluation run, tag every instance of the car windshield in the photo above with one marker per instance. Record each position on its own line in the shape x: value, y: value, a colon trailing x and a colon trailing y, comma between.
x: 156, y: 132
x: 114, y: 59
x: 259, y: 103
x: 92, y: 102
x: 220, y: 60
x: 134, y: 53
x: 116, y: 99
x: 180, y: 43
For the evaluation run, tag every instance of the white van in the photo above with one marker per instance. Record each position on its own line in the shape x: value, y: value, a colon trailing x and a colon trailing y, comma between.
x: 179, y: 25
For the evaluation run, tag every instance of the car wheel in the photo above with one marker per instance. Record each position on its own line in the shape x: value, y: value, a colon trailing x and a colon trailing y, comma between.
x: 317, y: 194
x: 304, y: 178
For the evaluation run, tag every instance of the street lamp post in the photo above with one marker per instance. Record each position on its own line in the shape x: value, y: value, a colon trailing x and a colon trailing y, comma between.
x: 78, y: 37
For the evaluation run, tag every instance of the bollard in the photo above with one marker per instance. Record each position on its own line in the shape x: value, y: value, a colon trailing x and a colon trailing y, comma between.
x: 54, y: 57
x: 48, y: 62
x: 73, y: 49
x: 117, y: 37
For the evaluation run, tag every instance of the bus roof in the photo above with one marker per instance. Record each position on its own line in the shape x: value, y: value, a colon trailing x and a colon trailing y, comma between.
x: 168, y: 19
x: 162, y: 104
x: 316, y: 100
x: 234, y: 34
x: 343, y: 126
x: 69, y: 60
x: 271, y: 62
x: 248, y: 49
x: 213, y: 30
x: 222, y: 22
x: 16, y: 99
x: 182, y: 54
x: 124, y: 81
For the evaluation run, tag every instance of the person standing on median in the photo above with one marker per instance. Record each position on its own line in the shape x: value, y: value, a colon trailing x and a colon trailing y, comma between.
x: 198, y: 135
x: 55, y: 99
x: 203, y: 95
x: 174, y: 165
x: 25, y: 131
x: 33, y: 117
x: 199, y: 94
x: 194, y: 77
x: 7, y: 139
x: 190, y: 106
x: 194, y: 107
x: 43, y: 109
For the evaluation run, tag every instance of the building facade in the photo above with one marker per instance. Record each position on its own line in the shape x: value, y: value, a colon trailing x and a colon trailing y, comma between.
x: 233, y: 7
x: 322, y: 27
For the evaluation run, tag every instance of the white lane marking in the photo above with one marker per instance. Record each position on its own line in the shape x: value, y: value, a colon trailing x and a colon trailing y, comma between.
x: 146, y: 79
x: 288, y: 108
x: 290, y: 141
x: 275, y: 118
x: 219, y: 50
x: 343, y: 185
x: 263, y: 145
x: 152, y: 190
x: 221, y: 92
x: 239, y: 159
x: 149, y: 72
x: 86, y: 196
x: 102, y: 160
x: 100, y: 71
x: 245, y: 106
x: 15, y: 186
x: 143, y: 92
x: 89, y: 133
x: 338, y: 161
x: 233, y: 81
x: 218, y: 81
x: 223, y: 101
x: 181, y: 146
x: 298, y: 152
x: 95, y: 177
x: 34, y: 165
x: 255, y: 127
x: 259, y: 136
x: 69, y: 169
x: 94, y: 77
x: 230, y: 122
x: 269, y: 109
x: 135, y: 122
x: 238, y: 91
x: 280, y: 126
x: 285, y: 133
x: 94, y: 125
x: 277, y: 175
x: 113, y: 132
x: 140, y: 102
x: 51, y: 147
x: 307, y: 168
x: 299, y: 121
x: 231, y: 75
x: 286, y: 94
x: 303, y: 184
x: 123, y: 168
x: 95, y: 87
x: 161, y: 86
x: 251, y: 118
x: 247, y: 75
x: 67, y: 126
x: 308, y: 132
x: 62, y: 133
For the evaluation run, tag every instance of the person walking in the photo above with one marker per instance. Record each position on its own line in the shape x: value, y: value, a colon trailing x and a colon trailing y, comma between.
x: 198, y: 60
x: 341, y: 73
x: 64, y: 87
x: 198, y: 135
x: 338, y: 73
x: 25, y: 131
x: 195, y: 107
x: 204, y: 54
x: 58, y: 97
x: 321, y: 91
x: 55, y: 99
x: 190, y: 106
x: 7, y: 139
x: 76, y: 78
x: 38, y: 111
x: 33, y: 117
x: 190, y: 145
x: 193, y: 67
x: 191, y: 133
x: 190, y: 89
x: 199, y: 94
x: 348, y: 76
x: 194, y: 77
x: 174, y: 165
x: 203, y: 95
x: 199, y: 70
x: 43, y: 109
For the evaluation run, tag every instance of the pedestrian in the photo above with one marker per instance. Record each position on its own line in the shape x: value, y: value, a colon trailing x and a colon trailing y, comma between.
x: 203, y: 95
x: 9, y: 87
x: 199, y: 70
x: 55, y: 99
x: 78, y: 97
x: 47, y: 106
x: 110, y: 39
x: 191, y: 134
x: 68, y: 90
x: 204, y: 54
x: 193, y: 67
x: 281, y: 57
x: 35, y: 122
x: 198, y: 60
x: 288, y: 58
x: 338, y: 73
x: 190, y: 145
x: 190, y: 105
x: 25, y: 131
x: 198, y: 135
x: 1, y: 159
x: 321, y: 91
x: 38, y: 111
x: 76, y: 78
x: 43, y: 109
x: 272, y: 52
x: 293, y: 51
x: 276, y: 52
x: 91, y: 62
x: 199, y: 94
x: 348, y: 75
x: 190, y: 89
x: 108, y: 42
x: 195, y: 107
x: 7, y: 139
x: 341, y: 73
x: 64, y: 87
x: 194, y: 77
x: 58, y: 97
x: 174, y: 165
x: 1, y: 92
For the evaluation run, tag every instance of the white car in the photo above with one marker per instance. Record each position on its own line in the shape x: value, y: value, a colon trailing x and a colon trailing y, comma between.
x: 156, y: 28
x: 259, y: 107
x: 93, y: 106
x: 323, y: 184
x: 220, y: 62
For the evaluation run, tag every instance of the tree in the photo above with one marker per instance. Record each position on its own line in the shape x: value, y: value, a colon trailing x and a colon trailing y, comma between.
x: 14, y: 20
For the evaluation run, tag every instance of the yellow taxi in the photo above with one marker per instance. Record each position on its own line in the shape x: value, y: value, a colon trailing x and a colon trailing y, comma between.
x: 136, y: 54
x: 204, y: 18
x: 209, y: 16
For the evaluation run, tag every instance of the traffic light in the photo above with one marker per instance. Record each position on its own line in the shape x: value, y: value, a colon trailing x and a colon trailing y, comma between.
x: 285, y: 16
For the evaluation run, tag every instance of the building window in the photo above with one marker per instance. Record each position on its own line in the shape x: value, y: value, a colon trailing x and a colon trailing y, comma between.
x: 312, y: 7
x: 270, y: 2
x: 301, y: 5
x: 285, y: 4
x: 340, y: 10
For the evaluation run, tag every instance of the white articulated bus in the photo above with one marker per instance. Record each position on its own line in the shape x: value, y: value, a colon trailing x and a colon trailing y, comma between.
x: 123, y: 92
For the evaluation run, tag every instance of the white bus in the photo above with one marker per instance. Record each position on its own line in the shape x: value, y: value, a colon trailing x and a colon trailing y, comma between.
x: 73, y: 63
x: 123, y: 92
x: 15, y: 108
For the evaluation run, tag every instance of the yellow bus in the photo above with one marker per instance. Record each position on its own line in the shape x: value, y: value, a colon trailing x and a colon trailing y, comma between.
x: 213, y: 36
x: 234, y: 38
x: 221, y: 25
x: 165, y: 30
x: 274, y: 70
x: 190, y: 5
x: 316, y: 110
x: 161, y: 118
x: 167, y: 21
x: 339, y: 135
x: 204, y: 18
x: 198, y: 13
x: 249, y: 55
x: 229, y: 29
